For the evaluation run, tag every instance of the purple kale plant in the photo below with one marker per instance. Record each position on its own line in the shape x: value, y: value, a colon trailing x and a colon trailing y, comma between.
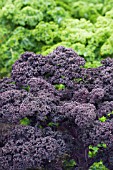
x: 52, y: 109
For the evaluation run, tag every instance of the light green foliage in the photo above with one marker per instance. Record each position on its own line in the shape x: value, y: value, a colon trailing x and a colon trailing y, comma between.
x: 93, y: 64
x: 78, y: 80
x: 13, y: 82
x: 107, y: 47
x: 29, y: 14
x: 43, y: 31
x: 93, y: 150
x: 69, y: 164
x: 108, y: 5
x: 52, y: 124
x: 40, y: 26
x: 59, y: 86
x: 102, y: 119
x: 109, y: 114
x: 27, y: 88
x: 57, y: 14
x: 25, y: 121
x: 83, y: 9
x: 98, y: 166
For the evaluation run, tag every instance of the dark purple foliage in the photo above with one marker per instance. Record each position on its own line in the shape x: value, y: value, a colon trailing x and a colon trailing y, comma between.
x: 10, y: 102
x: 7, y: 84
x: 80, y: 114
x: 62, y: 123
x: 28, y: 148
x: 61, y: 66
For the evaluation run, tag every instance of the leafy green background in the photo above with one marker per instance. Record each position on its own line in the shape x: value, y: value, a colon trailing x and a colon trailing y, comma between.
x: 40, y: 26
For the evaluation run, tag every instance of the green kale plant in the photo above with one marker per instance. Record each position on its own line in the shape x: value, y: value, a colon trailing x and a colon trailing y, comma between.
x: 98, y: 166
x: 25, y: 121
x: 93, y: 150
